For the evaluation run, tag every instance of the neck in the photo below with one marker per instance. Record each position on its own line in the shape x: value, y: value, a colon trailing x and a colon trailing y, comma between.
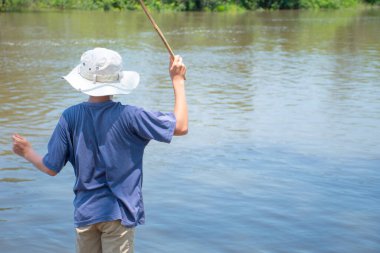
x: 92, y: 99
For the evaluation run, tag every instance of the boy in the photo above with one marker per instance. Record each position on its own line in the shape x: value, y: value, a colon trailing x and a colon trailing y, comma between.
x: 104, y: 141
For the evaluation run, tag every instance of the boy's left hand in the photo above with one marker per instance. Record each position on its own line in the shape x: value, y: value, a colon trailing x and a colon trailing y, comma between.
x: 20, y: 145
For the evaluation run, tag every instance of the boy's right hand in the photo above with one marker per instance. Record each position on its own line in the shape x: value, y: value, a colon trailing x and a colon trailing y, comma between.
x: 177, y: 69
x: 21, y: 146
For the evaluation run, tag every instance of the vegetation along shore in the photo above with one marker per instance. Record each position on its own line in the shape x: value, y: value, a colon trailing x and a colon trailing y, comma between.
x: 180, y: 5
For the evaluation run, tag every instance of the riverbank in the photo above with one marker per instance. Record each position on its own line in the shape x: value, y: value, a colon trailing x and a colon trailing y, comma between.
x: 178, y: 5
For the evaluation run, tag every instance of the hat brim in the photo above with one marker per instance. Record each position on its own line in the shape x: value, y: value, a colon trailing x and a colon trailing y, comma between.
x: 128, y: 82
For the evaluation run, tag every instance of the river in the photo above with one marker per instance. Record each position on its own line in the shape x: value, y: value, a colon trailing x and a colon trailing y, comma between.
x: 283, y: 150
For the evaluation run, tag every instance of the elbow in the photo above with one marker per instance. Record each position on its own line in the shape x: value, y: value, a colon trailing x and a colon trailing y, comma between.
x: 181, y: 127
x: 184, y: 131
x: 181, y: 131
x: 51, y: 173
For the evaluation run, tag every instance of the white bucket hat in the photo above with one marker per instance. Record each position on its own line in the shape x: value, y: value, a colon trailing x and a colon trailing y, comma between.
x: 100, y: 74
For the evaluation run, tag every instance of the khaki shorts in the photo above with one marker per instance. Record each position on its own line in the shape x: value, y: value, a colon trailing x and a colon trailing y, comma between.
x: 105, y: 237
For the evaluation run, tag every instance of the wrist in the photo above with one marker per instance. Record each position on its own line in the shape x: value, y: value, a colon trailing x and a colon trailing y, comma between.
x: 178, y: 78
x: 29, y: 154
x: 178, y: 82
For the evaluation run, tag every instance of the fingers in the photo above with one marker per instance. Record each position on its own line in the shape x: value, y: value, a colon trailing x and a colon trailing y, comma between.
x: 19, y: 141
x: 20, y: 145
x: 177, y: 60
x: 172, y: 62
x: 177, y: 67
x: 18, y: 138
x: 178, y: 63
x: 17, y: 148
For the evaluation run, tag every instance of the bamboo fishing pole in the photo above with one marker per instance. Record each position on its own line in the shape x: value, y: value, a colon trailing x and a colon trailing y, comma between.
x: 157, y: 29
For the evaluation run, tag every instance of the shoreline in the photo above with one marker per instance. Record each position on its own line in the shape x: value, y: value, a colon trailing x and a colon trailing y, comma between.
x: 156, y: 6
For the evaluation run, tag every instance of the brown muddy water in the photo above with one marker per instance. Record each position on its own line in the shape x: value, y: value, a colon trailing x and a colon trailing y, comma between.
x: 283, y: 153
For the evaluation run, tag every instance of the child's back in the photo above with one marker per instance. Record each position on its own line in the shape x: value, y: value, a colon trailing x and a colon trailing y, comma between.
x: 104, y: 141
x: 105, y: 144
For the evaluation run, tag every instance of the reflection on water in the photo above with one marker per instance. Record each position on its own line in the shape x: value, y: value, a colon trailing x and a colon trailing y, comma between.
x: 283, y: 149
x: 14, y: 180
x: 15, y: 168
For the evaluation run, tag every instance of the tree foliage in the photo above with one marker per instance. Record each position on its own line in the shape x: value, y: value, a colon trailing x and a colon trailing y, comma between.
x: 180, y: 5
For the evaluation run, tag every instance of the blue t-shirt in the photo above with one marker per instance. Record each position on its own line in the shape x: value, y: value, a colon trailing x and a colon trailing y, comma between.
x: 105, y: 144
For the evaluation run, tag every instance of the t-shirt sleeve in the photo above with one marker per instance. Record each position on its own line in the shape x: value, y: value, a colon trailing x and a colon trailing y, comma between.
x: 58, y: 147
x: 154, y: 125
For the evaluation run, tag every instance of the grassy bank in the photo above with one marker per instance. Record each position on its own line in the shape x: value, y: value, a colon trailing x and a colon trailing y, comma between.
x: 180, y: 5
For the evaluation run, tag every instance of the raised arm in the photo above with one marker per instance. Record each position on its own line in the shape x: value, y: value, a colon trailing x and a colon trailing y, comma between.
x: 177, y: 72
x: 23, y: 148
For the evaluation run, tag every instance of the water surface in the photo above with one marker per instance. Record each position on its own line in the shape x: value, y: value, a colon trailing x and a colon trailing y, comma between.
x: 283, y: 153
